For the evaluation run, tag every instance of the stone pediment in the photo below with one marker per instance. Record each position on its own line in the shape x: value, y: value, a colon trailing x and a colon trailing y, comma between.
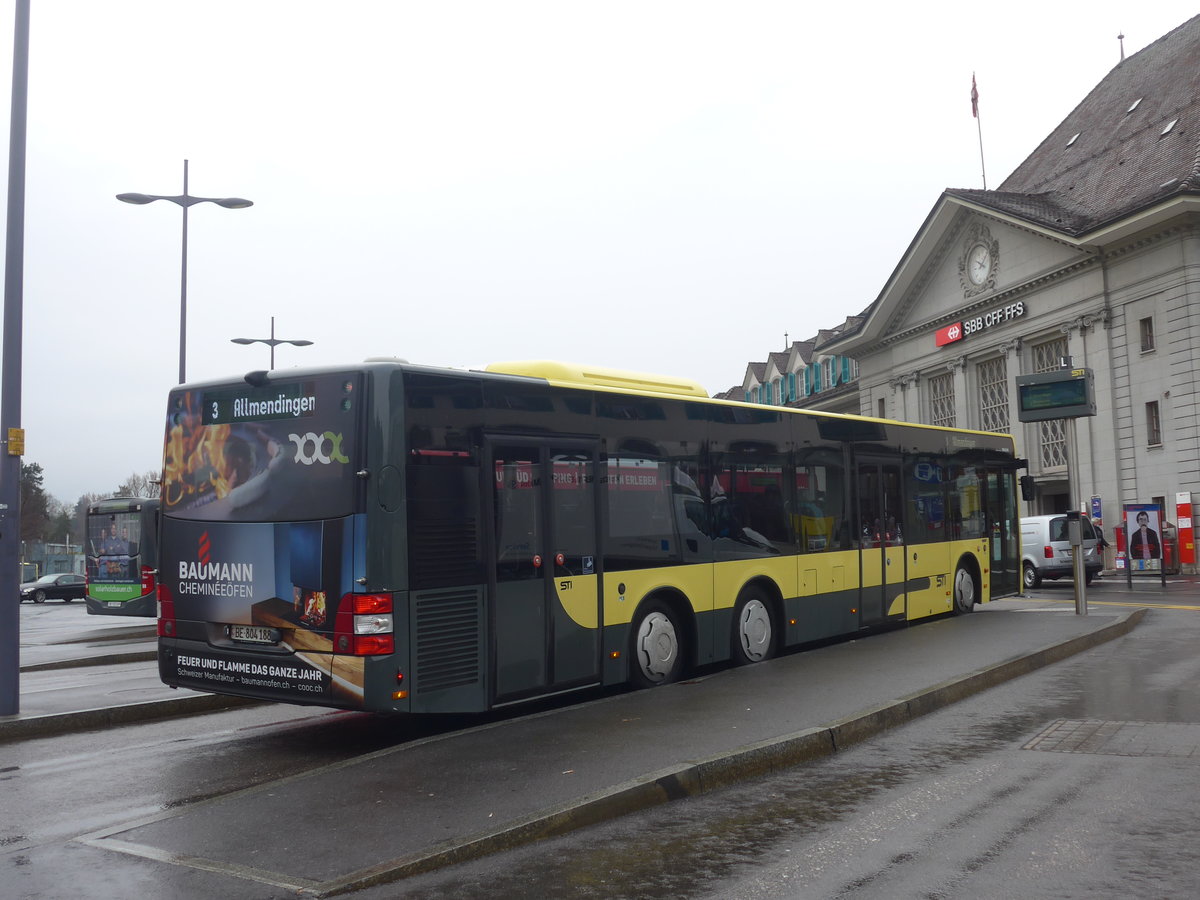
x: 962, y: 260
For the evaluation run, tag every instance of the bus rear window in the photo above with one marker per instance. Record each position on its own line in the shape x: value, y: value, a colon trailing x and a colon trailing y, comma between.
x: 280, y: 452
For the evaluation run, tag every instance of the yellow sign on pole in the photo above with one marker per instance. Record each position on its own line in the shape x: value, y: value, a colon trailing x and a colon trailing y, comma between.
x: 16, y: 442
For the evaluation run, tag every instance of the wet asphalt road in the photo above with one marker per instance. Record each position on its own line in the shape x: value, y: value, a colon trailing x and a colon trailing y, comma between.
x: 960, y: 803
x: 876, y: 806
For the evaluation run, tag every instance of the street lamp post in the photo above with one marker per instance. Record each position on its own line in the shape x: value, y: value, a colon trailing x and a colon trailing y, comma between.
x: 185, y: 200
x: 272, y: 341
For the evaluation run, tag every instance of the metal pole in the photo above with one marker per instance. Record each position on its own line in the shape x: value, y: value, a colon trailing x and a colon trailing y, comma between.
x: 272, y: 343
x: 10, y: 392
x: 183, y: 285
x: 1078, y: 569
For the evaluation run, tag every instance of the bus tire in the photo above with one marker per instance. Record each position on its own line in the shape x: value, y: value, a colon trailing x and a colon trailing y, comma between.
x: 754, y: 635
x: 39, y: 597
x: 966, y: 589
x: 655, y: 646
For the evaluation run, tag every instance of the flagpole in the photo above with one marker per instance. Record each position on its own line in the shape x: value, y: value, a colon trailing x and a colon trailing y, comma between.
x: 981, y: 166
x: 978, y: 127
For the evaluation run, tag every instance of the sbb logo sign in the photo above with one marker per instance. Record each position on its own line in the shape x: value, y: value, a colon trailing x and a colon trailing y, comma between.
x: 960, y: 330
x: 950, y: 334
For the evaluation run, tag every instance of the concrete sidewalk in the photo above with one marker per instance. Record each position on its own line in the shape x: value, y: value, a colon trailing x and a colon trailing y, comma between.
x: 99, y: 692
x: 103, y: 677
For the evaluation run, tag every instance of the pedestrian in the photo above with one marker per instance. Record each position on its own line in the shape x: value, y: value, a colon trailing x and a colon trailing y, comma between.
x: 1101, y: 545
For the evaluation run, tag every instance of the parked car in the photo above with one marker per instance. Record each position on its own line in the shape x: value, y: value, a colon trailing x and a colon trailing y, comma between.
x: 1046, y: 549
x: 63, y: 586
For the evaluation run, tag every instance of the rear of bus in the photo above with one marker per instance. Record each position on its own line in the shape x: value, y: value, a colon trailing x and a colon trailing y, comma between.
x: 262, y: 590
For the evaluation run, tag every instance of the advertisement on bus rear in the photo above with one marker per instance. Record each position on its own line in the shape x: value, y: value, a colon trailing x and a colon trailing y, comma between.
x: 268, y: 595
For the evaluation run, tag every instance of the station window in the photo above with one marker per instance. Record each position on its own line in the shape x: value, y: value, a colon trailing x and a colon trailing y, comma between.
x: 993, y: 395
x: 1146, y: 328
x: 941, y: 399
x: 1153, y: 424
x: 1052, y: 434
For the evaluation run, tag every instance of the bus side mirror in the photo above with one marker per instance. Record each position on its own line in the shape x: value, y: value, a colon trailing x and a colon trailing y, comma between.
x: 1028, y: 488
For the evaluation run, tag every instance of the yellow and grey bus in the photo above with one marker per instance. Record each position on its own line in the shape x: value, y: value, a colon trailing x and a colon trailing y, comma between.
x: 400, y: 538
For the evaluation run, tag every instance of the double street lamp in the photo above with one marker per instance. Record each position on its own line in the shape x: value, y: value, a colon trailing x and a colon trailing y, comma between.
x: 184, y: 200
x: 272, y: 341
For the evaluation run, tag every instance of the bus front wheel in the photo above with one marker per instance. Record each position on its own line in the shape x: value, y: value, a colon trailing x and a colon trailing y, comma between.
x: 754, y: 635
x: 656, y: 646
x: 966, y: 590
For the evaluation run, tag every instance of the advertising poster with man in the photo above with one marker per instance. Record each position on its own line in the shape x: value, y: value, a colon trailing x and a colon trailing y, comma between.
x: 1143, y: 525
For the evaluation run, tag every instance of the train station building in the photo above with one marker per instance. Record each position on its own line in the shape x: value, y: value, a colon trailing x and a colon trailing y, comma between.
x: 1088, y: 251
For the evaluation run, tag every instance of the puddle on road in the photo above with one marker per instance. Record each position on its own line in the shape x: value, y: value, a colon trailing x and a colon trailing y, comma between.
x: 683, y: 848
x: 690, y: 846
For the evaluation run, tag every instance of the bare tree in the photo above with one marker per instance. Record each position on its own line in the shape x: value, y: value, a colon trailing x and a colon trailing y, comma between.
x: 61, y: 520
x: 144, y: 485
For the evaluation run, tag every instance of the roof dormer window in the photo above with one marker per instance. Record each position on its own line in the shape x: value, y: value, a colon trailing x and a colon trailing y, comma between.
x: 1135, y: 106
x: 1074, y: 138
x: 1170, y: 125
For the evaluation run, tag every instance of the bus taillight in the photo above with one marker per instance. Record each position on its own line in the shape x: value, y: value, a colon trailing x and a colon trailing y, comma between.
x: 364, y: 625
x: 147, y: 580
x: 166, y: 612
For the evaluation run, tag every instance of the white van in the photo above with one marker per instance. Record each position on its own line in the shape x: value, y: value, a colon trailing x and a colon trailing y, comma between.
x: 1046, y: 549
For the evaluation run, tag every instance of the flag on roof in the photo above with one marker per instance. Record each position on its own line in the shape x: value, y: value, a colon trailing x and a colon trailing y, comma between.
x: 974, y: 97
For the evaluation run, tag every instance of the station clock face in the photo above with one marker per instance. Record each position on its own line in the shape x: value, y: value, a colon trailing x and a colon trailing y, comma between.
x: 979, y: 264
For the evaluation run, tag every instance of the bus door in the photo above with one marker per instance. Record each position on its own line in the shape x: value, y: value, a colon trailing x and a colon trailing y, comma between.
x: 880, y: 538
x: 1004, y: 553
x: 545, y: 608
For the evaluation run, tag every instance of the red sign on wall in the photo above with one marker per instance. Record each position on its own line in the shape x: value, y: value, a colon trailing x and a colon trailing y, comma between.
x: 949, y: 334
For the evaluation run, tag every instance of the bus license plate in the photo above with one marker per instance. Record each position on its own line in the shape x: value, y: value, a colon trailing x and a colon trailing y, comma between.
x: 252, y: 633
x: 113, y: 604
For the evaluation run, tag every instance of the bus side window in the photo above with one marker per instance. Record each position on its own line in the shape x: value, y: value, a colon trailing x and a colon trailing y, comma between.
x: 820, y: 505
x: 641, y: 526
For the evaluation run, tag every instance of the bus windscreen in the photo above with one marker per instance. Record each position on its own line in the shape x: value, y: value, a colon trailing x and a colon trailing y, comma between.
x: 114, y: 549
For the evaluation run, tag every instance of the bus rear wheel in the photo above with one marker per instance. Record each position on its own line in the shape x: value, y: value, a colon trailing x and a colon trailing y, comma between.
x: 966, y: 590
x: 754, y: 634
x: 656, y: 646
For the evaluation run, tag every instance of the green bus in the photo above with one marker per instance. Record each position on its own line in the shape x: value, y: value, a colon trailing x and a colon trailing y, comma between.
x: 400, y: 538
x: 122, y: 557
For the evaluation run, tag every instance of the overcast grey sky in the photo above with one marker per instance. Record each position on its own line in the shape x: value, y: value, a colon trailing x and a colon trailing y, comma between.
x: 659, y: 186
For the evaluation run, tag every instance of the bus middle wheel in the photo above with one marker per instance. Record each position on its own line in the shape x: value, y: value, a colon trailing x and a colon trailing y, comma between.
x: 754, y: 636
x: 656, y: 646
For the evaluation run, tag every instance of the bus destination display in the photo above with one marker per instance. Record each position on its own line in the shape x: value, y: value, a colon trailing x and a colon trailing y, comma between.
x: 284, y: 401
